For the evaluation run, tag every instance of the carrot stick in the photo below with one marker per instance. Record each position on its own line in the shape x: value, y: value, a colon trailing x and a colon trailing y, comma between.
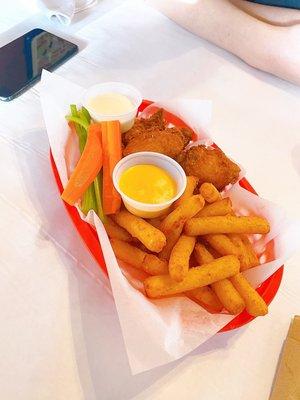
x: 112, y: 153
x: 87, y: 168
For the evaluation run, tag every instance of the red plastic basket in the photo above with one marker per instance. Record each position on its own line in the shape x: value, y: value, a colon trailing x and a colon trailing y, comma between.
x: 267, y: 289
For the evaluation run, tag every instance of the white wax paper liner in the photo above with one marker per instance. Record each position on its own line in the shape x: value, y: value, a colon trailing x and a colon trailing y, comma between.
x: 160, y: 331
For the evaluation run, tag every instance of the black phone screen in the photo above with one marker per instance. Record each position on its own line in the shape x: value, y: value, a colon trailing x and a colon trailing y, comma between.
x: 22, y: 61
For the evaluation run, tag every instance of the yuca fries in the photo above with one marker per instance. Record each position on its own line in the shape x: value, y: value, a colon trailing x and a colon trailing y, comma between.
x: 191, y: 183
x: 164, y: 285
x: 224, y: 289
x: 206, y: 298
x: 248, y: 256
x: 114, y: 231
x: 222, y: 244
x: 243, y: 252
x: 187, y: 209
x: 226, y: 224
x: 220, y: 207
x: 172, y: 238
x: 128, y: 253
x: 255, y: 304
x: 202, y: 255
x: 253, y: 259
x: 180, y: 257
x: 229, y: 296
x: 209, y: 192
x: 155, y: 266
x: 150, y: 236
x: 138, y: 258
x: 156, y: 222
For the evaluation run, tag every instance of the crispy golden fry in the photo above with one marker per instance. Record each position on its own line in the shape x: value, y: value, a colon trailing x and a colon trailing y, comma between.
x: 187, y: 209
x: 209, y: 192
x: 248, y: 257
x: 202, y: 255
x: 206, y: 298
x: 180, y: 257
x: 212, y: 251
x: 156, y: 222
x: 150, y: 236
x: 243, y: 252
x: 139, y: 245
x: 154, y: 266
x: 220, y: 207
x: 229, y: 296
x: 115, y: 231
x: 138, y: 258
x: 173, y: 224
x: 253, y: 259
x: 191, y: 183
x: 255, y: 304
x: 172, y: 238
x: 224, y: 289
x: 128, y: 253
x: 164, y: 285
x: 226, y: 224
x: 222, y: 244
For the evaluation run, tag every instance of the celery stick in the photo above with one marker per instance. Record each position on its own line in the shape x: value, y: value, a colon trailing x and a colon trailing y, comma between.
x: 78, y: 121
x: 89, y: 200
x: 74, y: 111
x: 86, y: 114
x: 80, y: 130
x: 98, y: 193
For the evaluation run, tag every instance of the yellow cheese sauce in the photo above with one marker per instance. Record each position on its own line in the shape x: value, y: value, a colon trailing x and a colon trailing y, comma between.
x: 110, y: 104
x: 147, y: 184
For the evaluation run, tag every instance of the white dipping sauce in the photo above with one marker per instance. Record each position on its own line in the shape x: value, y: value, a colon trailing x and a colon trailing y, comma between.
x: 110, y: 104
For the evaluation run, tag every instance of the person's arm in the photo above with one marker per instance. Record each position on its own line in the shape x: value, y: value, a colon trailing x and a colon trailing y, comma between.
x: 264, y: 46
x: 272, y: 15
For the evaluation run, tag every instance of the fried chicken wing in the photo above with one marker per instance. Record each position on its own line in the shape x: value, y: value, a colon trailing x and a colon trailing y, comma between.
x: 209, y: 165
x: 152, y: 134
x: 187, y: 133
x: 170, y: 142
x: 156, y: 122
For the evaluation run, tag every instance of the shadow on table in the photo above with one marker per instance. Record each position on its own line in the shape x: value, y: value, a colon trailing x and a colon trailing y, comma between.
x: 101, y: 357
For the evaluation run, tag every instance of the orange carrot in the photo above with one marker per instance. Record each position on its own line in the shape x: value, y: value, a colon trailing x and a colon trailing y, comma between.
x: 87, y: 168
x: 112, y: 153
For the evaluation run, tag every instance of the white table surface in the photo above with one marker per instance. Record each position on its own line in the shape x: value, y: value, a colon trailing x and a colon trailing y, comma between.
x: 59, y: 336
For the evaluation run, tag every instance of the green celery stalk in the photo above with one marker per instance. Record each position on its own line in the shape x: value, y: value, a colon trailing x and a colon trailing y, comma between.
x: 78, y: 120
x: 89, y: 201
x: 74, y: 111
x: 98, y: 185
x: 80, y: 130
x: 86, y: 114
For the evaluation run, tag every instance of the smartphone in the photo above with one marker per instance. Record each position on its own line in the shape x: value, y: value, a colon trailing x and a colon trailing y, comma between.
x: 22, y: 61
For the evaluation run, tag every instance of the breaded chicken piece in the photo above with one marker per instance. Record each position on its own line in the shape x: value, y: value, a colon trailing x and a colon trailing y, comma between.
x: 187, y: 133
x: 151, y: 134
x: 141, y: 125
x: 170, y: 142
x: 209, y: 165
x: 156, y: 121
